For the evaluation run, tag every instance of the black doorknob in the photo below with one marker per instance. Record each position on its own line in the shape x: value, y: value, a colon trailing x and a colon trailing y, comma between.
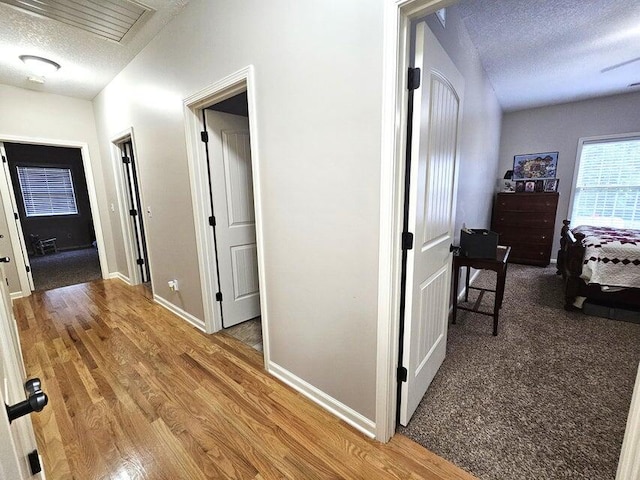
x: 5, y: 259
x: 35, y: 403
x: 33, y: 386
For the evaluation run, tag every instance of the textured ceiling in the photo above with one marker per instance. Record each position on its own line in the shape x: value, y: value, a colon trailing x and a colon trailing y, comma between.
x: 88, y: 61
x: 540, y: 52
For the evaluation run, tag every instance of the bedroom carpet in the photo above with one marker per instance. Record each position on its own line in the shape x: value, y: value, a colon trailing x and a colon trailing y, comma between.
x: 61, y: 269
x: 547, y: 398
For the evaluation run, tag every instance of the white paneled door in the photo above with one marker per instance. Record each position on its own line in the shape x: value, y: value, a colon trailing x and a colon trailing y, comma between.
x: 232, y: 193
x: 437, y: 108
x: 17, y: 439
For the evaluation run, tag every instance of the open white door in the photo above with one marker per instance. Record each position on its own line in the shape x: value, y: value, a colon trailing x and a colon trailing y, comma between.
x: 15, y: 226
x: 235, y: 229
x: 17, y: 439
x: 437, y: 107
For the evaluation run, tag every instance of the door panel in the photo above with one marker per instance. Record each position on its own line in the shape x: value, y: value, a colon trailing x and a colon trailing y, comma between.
x: 17, y: 439
x: 437, y: 107
x: 233, y: 208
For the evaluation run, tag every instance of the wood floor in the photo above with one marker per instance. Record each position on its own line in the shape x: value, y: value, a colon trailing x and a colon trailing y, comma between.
x: 137, y: 393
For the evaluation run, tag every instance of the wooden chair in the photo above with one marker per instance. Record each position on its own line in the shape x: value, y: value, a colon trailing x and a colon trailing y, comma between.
x: 42, y: 247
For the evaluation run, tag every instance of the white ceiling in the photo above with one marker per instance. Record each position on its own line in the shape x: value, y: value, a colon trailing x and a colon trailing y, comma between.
x: 88, y: 61
x: 540, y: 52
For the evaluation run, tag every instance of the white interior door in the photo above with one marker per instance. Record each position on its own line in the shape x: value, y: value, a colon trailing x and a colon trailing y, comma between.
x: 17, y: 439
x: 437, y: 109
x: 15, y: 225
x: 232, y: 191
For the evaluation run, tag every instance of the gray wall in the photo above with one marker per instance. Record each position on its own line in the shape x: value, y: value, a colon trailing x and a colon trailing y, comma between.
x: 318, y: 131
x: 558, y: 128
x: 481, y: 120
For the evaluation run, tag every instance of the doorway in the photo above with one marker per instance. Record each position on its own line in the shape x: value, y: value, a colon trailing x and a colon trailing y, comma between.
x: 132, y: 211
x: 224, y: 168
x: 227, y: 146
x: 48, y: 195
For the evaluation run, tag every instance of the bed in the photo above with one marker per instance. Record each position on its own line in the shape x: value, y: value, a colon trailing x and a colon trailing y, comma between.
x: 600, y: 264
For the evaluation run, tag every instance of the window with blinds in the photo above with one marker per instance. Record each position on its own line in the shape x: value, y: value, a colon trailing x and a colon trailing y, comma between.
x: 47, y: 191
x: 607, y: 190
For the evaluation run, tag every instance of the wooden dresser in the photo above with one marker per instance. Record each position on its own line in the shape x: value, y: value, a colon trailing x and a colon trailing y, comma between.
x: 525, y: 222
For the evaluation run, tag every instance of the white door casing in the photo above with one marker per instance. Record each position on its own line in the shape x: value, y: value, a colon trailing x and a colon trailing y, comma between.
x: 437, y: 108
x: 11, y: 211
x: 232, y: 191
x: 17, y: 439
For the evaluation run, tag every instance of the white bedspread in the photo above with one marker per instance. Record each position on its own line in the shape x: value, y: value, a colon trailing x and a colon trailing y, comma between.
x: 612, y: 256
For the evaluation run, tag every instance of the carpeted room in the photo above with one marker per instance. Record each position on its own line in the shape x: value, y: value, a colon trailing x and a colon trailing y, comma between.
x: 547, y: 398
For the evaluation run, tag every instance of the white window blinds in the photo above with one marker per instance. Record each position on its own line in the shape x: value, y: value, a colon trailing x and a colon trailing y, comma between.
x: 607, y: 191
x: 47, y: 191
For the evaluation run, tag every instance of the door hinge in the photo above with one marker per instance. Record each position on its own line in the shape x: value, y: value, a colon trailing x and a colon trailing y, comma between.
x: 140, y: 261
x: 34, y: 462
x: 212, y: 221
x: 219, y: 297
x: 204, y: 136
x: 126, y: 160
x: 28, y: 268
x: 413, y: 81
x: 402, y: 374
x: 407, y: 241
x: 16, y: 216
x: 4, y: 159
x: 133, y: 212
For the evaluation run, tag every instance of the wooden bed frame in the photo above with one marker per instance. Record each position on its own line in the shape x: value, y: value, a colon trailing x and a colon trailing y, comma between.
x: 570, y: 260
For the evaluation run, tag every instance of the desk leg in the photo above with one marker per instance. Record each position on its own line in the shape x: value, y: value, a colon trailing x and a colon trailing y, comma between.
x: 456, y: 276
x: 466, y: 285
x: 503, y: 282
x: 497, y: 304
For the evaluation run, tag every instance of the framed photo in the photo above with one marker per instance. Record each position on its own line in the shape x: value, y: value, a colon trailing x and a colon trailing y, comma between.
x: 535, y: 166
x: 530, y: 186
x: 551, y: 185
x: 520, y: 186
x: 539, y: 185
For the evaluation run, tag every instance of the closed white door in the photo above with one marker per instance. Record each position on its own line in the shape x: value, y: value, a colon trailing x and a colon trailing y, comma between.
x: 437, y: 109
x: 235, y: 231
x: 17, y: 439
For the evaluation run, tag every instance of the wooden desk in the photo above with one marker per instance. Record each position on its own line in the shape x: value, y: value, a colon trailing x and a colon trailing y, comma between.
x: 498, y: 265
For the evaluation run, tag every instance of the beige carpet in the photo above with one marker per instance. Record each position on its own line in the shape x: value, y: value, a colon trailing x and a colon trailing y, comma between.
x: 547, y: 398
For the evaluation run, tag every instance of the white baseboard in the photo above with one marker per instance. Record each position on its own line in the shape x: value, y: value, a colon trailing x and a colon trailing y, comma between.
x: 327, y: 402
x: 553, y: 261
x: 120, y: 276
x: 196, y: 322
x: 16, y: 295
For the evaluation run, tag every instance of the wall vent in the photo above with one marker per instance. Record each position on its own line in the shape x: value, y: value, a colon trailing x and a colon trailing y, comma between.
x: 110, y: 19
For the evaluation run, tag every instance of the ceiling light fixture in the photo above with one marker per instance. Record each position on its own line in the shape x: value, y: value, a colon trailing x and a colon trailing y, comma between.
x: 38, y: 65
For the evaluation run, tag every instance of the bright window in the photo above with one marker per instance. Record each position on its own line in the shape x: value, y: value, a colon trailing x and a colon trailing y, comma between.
x: 607, y: 190
x: 47, y: 191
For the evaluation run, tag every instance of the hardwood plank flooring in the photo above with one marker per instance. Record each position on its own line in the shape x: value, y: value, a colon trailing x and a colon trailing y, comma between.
x: 137, y: 393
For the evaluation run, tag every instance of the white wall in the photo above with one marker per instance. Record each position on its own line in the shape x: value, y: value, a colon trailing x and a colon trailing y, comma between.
x: 27, y: 113
x: 318, y: 71
x: 558, y: 128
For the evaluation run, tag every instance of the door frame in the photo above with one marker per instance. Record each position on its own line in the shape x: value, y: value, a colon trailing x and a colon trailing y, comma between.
x: 237, y: 82
x: 17, y: 240
x: 129, y: 240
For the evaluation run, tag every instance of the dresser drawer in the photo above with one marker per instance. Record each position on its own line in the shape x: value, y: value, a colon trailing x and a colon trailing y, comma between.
x: 526, y: 202
x: 530, y: 254
x: 529, y: 236
x: 520, y: 219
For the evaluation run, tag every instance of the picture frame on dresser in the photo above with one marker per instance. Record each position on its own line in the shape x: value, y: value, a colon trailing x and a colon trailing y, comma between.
x: 551, y: 185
